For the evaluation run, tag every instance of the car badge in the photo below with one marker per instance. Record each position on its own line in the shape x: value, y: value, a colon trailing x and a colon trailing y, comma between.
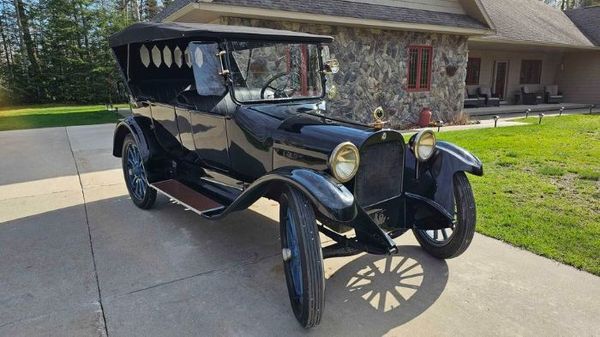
x: 384, y: 136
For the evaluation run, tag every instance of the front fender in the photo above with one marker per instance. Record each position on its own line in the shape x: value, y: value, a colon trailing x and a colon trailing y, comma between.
x: 330, y: 197
x: 455, y: 159
x: 429, y: 186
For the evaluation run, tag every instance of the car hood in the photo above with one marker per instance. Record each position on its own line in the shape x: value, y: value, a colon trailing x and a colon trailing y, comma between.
x: 308, y: 126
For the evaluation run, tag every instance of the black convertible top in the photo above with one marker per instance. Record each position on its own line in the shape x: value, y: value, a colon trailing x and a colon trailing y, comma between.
x: 151, y: 31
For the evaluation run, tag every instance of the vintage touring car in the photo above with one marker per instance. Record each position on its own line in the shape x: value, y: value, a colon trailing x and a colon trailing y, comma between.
x: 225, y: 115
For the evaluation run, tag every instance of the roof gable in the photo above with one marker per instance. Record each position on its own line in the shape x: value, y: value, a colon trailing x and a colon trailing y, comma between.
x: 534, y: 22
x: 588, y: 21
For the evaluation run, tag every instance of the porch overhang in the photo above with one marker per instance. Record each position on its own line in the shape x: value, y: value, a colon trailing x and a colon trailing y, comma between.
x: 206, y: 12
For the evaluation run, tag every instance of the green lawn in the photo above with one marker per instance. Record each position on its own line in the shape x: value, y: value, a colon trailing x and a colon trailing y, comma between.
x: 541, y: 188
x: 41, y: 116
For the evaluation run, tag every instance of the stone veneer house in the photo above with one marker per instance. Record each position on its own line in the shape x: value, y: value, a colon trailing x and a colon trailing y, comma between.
x: 536, y: 45
x: 404, y: 55
x: 401, y: 55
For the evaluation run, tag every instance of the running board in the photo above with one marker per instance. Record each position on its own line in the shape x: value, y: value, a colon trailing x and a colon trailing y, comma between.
x: 187, y: 196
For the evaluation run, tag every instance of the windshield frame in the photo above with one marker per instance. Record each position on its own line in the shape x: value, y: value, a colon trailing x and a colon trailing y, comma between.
x: 229, y: 50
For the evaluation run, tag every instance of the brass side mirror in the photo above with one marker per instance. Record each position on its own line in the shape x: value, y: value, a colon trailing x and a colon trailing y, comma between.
x: 331, y: 66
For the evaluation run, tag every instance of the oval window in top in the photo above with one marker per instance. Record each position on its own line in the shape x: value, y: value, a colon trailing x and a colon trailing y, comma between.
x: 178, y: 56
x: 156, y: 56
x: 188, y: 58
x: 145, y: 56
x: 167, y: 56
x: 198, y: 57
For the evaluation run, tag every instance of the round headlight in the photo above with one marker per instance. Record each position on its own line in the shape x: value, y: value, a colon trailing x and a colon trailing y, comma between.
x: 424, y: 145
x: 344, y: 161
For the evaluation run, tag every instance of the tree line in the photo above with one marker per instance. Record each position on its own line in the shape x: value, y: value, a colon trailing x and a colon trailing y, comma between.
x: 57, y: 50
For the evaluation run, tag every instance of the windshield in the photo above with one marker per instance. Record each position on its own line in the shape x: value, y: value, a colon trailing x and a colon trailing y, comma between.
x: 267, y: 71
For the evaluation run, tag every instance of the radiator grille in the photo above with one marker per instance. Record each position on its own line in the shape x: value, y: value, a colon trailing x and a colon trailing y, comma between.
x: 379, y: 176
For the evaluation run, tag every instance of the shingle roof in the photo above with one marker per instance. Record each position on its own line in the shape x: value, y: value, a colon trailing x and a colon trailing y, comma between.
x: 588, y: 21
x: 343, y: 8
x: 532, y: 21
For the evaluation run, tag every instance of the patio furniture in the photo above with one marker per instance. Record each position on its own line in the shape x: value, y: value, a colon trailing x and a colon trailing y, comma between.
x: 490, y: 100
x: 552, y: 94
x: 473, y: 101
x: 530, y: 97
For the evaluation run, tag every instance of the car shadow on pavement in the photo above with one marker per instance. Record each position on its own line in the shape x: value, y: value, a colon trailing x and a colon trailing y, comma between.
x: 384, y: 292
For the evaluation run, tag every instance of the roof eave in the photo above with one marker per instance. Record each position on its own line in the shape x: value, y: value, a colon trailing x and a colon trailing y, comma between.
x: 531, y: 43
x: 260, y: 13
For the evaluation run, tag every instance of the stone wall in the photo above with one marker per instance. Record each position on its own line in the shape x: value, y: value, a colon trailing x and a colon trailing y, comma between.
x: 373, y: 71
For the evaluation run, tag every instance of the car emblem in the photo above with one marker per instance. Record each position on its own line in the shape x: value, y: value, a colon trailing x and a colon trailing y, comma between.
x: 383, y: 136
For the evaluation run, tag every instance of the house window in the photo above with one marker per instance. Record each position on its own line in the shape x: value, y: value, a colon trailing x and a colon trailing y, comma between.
x: 531, y: 71
x: 419, y: 68
x: 473, y: 67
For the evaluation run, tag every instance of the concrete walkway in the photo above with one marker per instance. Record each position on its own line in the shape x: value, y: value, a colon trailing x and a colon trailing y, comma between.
x: 78, y: 259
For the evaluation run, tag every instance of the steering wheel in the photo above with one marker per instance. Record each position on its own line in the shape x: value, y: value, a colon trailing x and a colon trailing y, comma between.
x: 284, y: 92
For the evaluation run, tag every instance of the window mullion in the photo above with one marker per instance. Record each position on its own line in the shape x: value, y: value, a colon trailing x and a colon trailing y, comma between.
x: 419, y: 66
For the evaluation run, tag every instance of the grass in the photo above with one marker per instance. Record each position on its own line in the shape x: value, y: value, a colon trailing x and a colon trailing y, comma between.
x: 541, y: 188
x: 50, y: 115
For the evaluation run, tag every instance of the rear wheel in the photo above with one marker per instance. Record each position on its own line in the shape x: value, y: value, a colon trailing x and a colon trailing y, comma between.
x: 447, y: 243
x: 303, y: 259
x: 135, y: 175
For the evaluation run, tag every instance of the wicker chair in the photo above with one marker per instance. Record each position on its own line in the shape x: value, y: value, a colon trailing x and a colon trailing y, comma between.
x: 473, y: 101
x: 530, y: 97
x: 552, y: 94
x: 490, y: 100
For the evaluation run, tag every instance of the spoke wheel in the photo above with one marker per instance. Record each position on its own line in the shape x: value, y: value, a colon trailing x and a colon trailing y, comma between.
x: 451, y: 242
x: 135, y: 175
x: 302, y: 256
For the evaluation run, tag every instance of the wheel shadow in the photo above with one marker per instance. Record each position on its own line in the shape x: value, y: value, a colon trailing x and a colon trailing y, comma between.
x: 373, y: 294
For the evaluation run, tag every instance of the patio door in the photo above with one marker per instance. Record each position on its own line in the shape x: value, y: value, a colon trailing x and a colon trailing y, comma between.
x: 500, y: 78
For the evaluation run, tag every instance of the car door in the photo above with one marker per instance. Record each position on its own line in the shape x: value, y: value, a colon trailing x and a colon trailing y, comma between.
x: 164, y: 120
x: 210, y: 102
x: 208, y: 123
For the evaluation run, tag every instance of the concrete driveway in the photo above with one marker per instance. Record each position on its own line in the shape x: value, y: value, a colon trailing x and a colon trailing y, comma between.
x: 78, y: 259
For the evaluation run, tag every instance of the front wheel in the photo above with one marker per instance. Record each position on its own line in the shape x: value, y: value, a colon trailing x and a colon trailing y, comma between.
x: 303, y: 258
x: 135, y: 175
x: 447, y: 243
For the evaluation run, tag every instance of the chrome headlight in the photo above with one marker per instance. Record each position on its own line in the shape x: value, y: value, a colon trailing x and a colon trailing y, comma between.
x: 424, y: 145
x: 344, y: 161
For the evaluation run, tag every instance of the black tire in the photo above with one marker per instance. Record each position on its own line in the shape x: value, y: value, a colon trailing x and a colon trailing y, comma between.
x: 142, y: 195
x: 464, y: 227
x: 296, y: 214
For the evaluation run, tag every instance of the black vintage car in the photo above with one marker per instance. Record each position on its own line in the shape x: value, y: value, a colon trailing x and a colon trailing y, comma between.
x: 225, y: 115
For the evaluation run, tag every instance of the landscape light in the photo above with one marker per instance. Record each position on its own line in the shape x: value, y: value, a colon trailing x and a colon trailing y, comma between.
x: 496, y: 120
x: 562, y: 109
x: 440, y: 123
x: 527, y: 113
x: 541, y: 116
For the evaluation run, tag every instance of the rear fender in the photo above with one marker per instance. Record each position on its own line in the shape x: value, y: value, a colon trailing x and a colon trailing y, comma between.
x: 135, y: 125
x: 429, y: 186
